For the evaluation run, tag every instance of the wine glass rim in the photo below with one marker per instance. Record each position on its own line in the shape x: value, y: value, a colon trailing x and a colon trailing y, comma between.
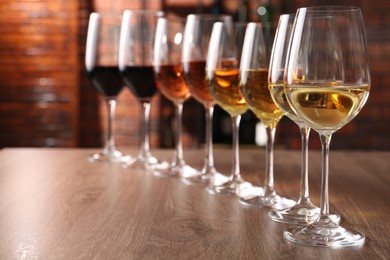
x: 335, y: 9
x: 207, y: 16
x: 158, y: 13
x: 108, y: 13
x: 263, y: 24
x: 288, y: 15
x: 173, y: 19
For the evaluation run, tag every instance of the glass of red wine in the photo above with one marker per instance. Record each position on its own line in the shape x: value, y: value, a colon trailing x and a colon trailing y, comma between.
x: 136, y: 67
x: 101, y: 62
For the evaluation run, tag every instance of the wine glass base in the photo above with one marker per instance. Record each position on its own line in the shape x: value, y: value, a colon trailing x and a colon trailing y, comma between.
x: 146, y: 163
x: 177, y: 171
x: 204, y: 178
x: 271, y: 201
x: 239, y: 188
x: 113, y: 157
x: 300, y: 214
x: 321, y: 235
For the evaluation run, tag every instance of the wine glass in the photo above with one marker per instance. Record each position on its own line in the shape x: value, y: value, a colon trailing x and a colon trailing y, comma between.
x: 254, y: 88
x: 170, y: 82
x: 327, y: 82
x: 304, y: 211
x: 101, y: 63
x: 222, y: 76
x: 194, y: 52
x: 135, y: 64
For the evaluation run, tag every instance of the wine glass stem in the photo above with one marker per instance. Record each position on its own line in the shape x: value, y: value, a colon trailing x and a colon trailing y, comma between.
x: 109, y: 145
x: 236, y: 154
x: 209, y: 159
x: 324, y: 205
x: 269, y: 162
x: 304, y: 194
x: 178, y: 159
x: 145, y: 147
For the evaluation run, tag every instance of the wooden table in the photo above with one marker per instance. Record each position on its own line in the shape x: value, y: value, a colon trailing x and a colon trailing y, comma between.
x: 54, y: 204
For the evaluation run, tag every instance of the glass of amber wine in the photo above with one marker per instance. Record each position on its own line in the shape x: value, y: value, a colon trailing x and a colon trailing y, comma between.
x: 136, y: 66
x: 170, y: 82
x: 194, y: 52
x: 304, y: 212
x: 327, y: 82
x: 101, y: 63
x: 222, y: 76
x: 254, y: 88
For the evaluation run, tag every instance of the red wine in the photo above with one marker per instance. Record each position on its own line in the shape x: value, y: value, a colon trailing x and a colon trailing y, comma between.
x: 106, y: 80
x: 141, y: 82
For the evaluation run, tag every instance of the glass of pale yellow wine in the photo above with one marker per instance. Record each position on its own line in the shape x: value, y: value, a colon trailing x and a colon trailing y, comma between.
x: 222, y: 76
x: 255, y: 90
x: 327, y: 82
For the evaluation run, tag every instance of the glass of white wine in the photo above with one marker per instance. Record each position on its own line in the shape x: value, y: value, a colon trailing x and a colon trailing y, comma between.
x: 304, y: 212
x: 327, y: 82
x: 222, y: 76
x: 254, y: 88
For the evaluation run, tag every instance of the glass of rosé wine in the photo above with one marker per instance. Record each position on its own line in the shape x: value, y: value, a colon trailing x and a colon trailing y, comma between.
x: 169, y: 75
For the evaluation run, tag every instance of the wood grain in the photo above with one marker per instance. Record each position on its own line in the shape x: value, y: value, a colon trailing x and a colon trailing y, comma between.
x: 54, y: 204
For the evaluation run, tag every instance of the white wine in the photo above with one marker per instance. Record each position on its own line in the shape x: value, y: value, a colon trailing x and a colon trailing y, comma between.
x: 223, y: 86
x: 279, y: 97
x: 327, y: 107
x: 254, y: 88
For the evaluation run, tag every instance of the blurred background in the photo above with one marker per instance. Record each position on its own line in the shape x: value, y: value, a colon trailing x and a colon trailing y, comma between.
x: 46, y: 99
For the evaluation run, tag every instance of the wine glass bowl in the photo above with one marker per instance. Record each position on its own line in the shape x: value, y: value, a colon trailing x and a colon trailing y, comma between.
x: 136, y: 67
x: 167, y: 60
x: 327, y: 82
x: 101, y: 63
x: 170, y: 82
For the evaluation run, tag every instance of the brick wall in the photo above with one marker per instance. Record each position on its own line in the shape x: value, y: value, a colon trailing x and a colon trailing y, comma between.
x: 39, y: 80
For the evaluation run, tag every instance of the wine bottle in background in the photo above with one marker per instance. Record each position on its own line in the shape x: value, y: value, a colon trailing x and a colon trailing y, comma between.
x: 243, y: 15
